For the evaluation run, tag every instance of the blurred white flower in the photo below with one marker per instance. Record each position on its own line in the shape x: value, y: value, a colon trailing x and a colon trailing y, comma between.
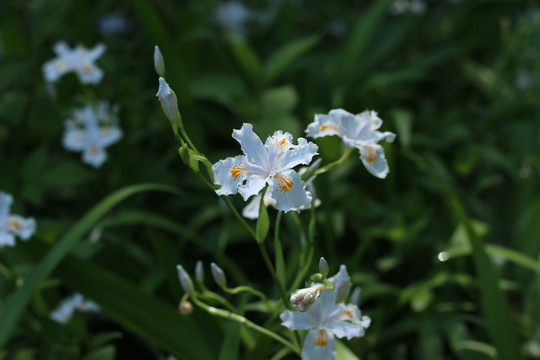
x: 67, y: 307
x: 232, y: 15
x: 269, y: 164
x: 359, y: 131
x: 402, y: 6
x: 79, y: 60
x: 112, y: 24
x: 13, y: 225
x: 327, y: 317
x: 90, y: 130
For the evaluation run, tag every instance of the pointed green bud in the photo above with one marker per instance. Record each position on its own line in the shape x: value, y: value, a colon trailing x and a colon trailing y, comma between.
x: 168, y: 100
x: 323, y: 267
x: 219, y: 275
x: 159, y: 63
x: 185, y: 280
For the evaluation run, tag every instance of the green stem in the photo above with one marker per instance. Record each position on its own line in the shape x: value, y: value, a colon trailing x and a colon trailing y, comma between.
x: 242, y: 320
x: 332, y: 165
x: 218, y: 298
x: 183, y: 132
x: 270, y: 267
x: 238, y: 216
x: 250, y: 290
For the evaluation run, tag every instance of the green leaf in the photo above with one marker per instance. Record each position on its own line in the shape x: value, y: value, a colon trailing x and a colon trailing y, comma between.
x: 499, y: 322
x: 244, y: 54
x: 66, y: 174
x: 344, y: 353
x: 230, y: 346
x: 263, y: 222
x: 285, y: 55
x: 16, y: 303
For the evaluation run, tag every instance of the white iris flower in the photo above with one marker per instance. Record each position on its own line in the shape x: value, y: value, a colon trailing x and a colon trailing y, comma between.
x: 327, y: 317
x: 90, y: 130
x: 358, y: 131
x: 13, y: 225
x: 269, y: 164
x: 79, y: 60
x: 67, y: 307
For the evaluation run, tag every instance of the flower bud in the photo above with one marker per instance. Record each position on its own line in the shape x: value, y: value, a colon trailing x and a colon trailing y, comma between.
x: 199, y: 272
x: 159, y: 64
x: 219, y: 275
x: 168, y: 100
x: 302, y: 298
x: 323, y: 267
x: 185, y: 308
x: 185, y: 280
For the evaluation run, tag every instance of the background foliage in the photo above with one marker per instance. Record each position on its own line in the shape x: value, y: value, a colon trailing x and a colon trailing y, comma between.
x: 445, y: 249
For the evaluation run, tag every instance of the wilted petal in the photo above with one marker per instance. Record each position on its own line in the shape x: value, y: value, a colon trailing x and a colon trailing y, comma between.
x: 294, y: 320
x: 229, y: 173
x: 319, y: 345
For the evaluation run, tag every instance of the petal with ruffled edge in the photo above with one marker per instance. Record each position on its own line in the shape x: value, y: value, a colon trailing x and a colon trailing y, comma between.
x: 325, y: 125
x: 288, y: 190
x: 299, y: 154
x: 253, y: 185
x: 342, y: 284
x: 5, y: 204
x: 109, y: 135
x: 349, y: 324
x: 94, y: 155
x: 251, y: 145
x: 294, y: 320
x: 229, y: 173
x: 74, y: 139
x: 319, y: 345
x: 372, y: 155
x: 6, y: 239
x: 20, y: 226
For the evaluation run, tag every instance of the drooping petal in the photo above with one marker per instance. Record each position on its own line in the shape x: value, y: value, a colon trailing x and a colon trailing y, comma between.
x: 74, y: 139
x: 94, y: 155
x: 294, y: 320
x: 251, y: 145
x: 5, y: 205
x: 319, y: 345
x: 300, y: 154
x: 6, y: 239
x: 229, y: 173
x: 288, y: 190
x: 253, y: 185
x: 342, y: 284
x: 89, y: 73
x: 20, y: 226
x: 345, y: 329
x: 372, y: 156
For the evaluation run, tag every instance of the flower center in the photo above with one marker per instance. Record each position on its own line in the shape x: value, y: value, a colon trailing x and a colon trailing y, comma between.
x: 14, y: 224
x: 94, y: 150
x: 237, y: 171
x: 325, y: 127
x: 321, y: 339
x: 371, y: 155
x: 284, y: 182
x: 87, y: 68
x: 59, y: 65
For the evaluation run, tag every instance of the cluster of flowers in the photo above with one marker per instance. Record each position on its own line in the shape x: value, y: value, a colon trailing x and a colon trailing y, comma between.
x: 90, y: 130
x: 94, y: 127
x: 13, y: 225
x: 272, y: 163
